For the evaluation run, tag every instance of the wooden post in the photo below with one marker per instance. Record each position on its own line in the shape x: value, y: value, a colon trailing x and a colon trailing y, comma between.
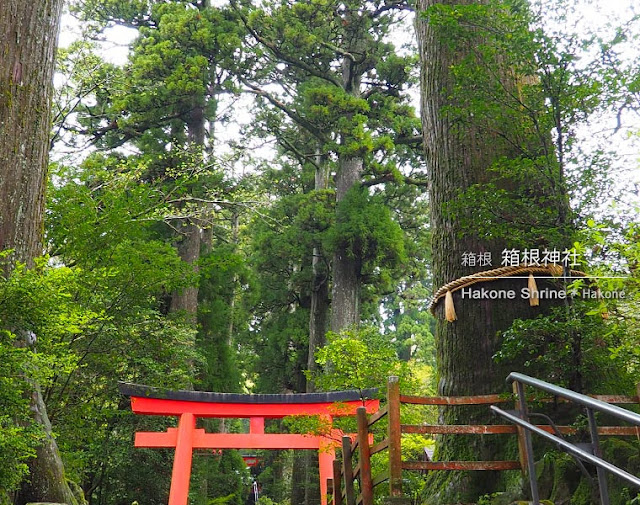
x: 395, y: 438
x: 337, y: 482
x: 526, y: 443
x: 330, y: 489
x: 256, y: 425
x: 181, y: 475
x: 522, y: 446
x: 347, y: 471
x: 366, y: 484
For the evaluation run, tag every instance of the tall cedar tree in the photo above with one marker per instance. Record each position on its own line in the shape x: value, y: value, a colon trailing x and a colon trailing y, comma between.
x: 340, y: 90
x: 167, y: 105
x: 28, y: 37
x: 342, y: 83
x: 495, y: 184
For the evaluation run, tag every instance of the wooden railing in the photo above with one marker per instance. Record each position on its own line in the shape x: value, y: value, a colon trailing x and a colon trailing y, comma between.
x: 355, y: 465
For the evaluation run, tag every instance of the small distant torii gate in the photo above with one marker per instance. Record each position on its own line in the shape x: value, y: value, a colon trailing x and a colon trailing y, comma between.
x: 189, y: 405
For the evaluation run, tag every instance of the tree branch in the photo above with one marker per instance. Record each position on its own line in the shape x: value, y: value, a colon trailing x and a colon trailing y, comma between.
x: 391, y: 177
x: 280, y: 54
x: 284, y: 108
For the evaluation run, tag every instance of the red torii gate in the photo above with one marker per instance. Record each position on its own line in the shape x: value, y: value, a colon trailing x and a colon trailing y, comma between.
x: 189, y: 405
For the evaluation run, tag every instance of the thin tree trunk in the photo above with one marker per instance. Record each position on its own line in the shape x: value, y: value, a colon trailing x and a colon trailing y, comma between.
x: 319, y: 310
x: 28, y: 37
x: 235, y: 232
x: 191, y: 234
x: 189, y: 250
x: 298, y: 478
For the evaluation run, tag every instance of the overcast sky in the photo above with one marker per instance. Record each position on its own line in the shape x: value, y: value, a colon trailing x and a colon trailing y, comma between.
x: 599, y: 15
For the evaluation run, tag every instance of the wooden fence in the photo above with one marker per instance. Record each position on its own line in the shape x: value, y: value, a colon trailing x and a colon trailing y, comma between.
x: 355, y: 465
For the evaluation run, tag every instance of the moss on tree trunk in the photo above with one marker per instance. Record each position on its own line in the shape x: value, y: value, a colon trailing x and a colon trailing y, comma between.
x: 460, y: 153
x: 28, y: 36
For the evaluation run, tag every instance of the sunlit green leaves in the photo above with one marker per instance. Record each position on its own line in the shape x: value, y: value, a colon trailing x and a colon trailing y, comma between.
x: 359, y: 359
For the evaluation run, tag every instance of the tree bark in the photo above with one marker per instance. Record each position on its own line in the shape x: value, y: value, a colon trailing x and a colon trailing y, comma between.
x: 189, y: 250
x: 28, y: 37
x: 46, y: 481
x: 347, y: 276
x: 191, y: 235
x: 458, y: 155
x: 320, y: 303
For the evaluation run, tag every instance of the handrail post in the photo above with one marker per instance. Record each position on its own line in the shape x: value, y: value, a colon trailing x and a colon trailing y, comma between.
x: 330, y: 491
x: 522, y: 446
x: 395, y: 438
x: 597, y: 451
x: 527, y: 448
x: 337, y: 482
x: 366, y: 484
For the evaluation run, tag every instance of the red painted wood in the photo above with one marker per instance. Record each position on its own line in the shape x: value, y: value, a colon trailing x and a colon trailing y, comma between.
x: 202, y: 440
x: 158, y: 406
x: 181, y: 474
x: 250, y: 461
x: 326, y: 455
x: 256, y: 425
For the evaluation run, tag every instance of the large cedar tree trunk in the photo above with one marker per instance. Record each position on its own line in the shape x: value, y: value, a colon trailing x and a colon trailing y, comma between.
x: 458, y: 154
x: 28, y: 36
x: 347, y: 275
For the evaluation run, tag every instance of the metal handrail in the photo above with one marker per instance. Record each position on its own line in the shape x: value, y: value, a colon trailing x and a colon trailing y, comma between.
x: 587, y: 401
x: 569, y: 447
x: 591, y: 405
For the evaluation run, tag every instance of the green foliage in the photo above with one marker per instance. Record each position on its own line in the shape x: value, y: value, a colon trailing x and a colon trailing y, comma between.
x: 611, y: 248
x: 365, y: 228
x: 227, y: 479
x: 38, y: 319
x: 176, y: 67
x: 315, y: 425
x: 18, y: 439
x: 104, y: 224
x: 359, y: 358
x: 282, y: 239
x: 570, y: 349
